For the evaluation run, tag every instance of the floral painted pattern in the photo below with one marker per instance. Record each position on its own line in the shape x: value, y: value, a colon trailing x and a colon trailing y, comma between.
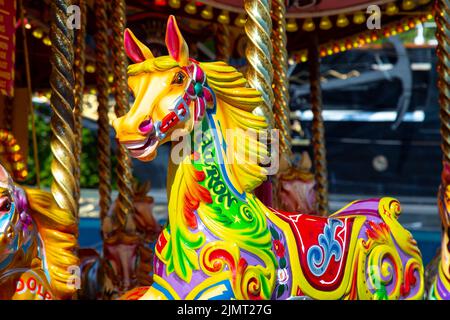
x: 282, y: 272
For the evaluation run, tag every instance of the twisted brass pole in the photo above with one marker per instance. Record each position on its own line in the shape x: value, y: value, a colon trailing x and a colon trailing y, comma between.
x: 441, y: 283
x: 104, y: 143
x: 223, y: 42
x: 280, y: 79
x: 443, y: 51
x: 258, y: 29
x: 37, y: 166
x: 79, y: 64
x: 123, y: 169
x: 9, y: 105
x: 318, y: 130
x: 62, y: 104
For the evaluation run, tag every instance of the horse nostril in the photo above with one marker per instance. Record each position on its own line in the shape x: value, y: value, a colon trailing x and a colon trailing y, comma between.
x: 146, y: 126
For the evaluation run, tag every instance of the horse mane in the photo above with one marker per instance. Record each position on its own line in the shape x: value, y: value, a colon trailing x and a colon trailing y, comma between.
x: 58, y: 231
x: 236, y: 102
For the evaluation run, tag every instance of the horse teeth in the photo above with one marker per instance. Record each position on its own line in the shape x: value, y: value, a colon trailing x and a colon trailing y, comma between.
x: 137, y: 145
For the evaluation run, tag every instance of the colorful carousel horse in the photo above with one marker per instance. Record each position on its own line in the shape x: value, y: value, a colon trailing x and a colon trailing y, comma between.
x: 37, y: 240
x: 295, y: 187
x: 221, y: 241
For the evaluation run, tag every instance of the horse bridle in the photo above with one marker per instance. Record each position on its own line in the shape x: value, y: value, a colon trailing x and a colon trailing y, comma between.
x: 198, y: 91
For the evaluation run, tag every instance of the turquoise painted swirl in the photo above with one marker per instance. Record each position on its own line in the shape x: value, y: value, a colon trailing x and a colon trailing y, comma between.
x: 319, y: 256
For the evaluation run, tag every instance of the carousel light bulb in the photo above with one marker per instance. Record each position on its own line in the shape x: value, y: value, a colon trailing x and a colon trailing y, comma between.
x: 207, y: 13
x: 28, y: 26
x: 47, y: 41
x: 240, y: 21
x: 408, y: 4
x: 93, y: 91
x: 325, y: 23
x: 191, y: 8
x: 224, y: 17
x: 111, y: 78
x: 309, y: 25
x: 291, y: 25
x: 175, y: 4
x: 342, y: 21
x: 359, y: 17
x: 38, y: 33
x: 90, y: 68
x: 391, y: 9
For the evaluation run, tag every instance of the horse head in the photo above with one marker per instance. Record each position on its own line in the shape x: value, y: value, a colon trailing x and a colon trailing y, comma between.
x: 178, y: 95
x: 15, y: 222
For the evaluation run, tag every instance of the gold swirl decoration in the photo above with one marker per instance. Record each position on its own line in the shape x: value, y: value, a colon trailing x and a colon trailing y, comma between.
x: 104, y: 143
x: 280, y: 79
x: 79, y: 65
x: 258, y: 29
x: 62, y: 103
x: 381, y: 262
x: 123, y: 170
x: 318, y: 132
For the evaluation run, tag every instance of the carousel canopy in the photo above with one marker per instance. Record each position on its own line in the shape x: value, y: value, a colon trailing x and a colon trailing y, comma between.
x: 337, y: 25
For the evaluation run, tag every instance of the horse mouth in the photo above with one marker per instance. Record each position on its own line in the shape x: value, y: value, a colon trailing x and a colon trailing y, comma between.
x: 142, y: 149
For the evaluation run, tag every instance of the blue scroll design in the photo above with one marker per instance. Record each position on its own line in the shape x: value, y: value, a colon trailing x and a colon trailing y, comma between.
x: 319, y: 256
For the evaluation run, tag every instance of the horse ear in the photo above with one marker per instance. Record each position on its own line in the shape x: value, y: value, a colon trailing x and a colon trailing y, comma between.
x: 175, y: 43
x: 136, y: 50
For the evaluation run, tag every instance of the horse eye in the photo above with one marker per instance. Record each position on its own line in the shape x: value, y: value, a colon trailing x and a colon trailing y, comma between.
x: 6, y: 206
x: 179, y: 78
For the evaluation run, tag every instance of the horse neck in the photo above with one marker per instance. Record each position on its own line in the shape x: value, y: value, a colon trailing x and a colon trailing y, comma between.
x: 212, y: 135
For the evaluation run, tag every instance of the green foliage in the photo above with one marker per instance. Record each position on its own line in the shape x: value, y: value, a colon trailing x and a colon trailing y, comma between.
x: 89, y: 162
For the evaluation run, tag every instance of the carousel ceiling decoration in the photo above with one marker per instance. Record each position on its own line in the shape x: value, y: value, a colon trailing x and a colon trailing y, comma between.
x: 336, y: 23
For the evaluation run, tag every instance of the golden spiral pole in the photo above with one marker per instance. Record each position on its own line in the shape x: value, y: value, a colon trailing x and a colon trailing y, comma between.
x: 280, y: 80
x: 104, y: 143
x: 79, y: 64
x: 441, y: 286
x: 258, y: 29
x: 318, y: 130
x: 223, y: 42
x: 9, y: 105
x: 30, y: 104
x: 123, y: 169
x: 62, y: 103
x: 443, y: 68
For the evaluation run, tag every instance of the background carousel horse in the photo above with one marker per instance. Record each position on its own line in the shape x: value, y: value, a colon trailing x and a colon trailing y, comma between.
x: 37, y: 238
x: 221, y: 241
x: 127, y: 251
x: 295, y: 187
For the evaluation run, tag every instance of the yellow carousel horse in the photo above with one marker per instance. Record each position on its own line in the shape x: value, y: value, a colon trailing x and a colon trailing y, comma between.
x: 221, y: 241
